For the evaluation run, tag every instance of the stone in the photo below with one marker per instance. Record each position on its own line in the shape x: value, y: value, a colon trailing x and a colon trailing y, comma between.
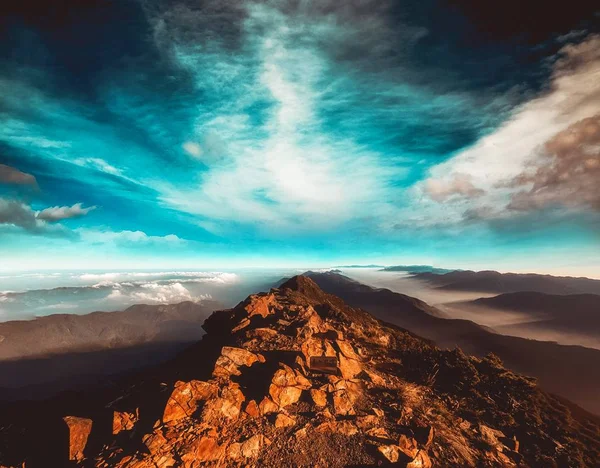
x: 259, y: 304
x: 389, y: 452
x: 422, y: 460
x: 79, y: 431
x: 185, y: 397
x: 287, y: 385
x: 284, y: 396
x: 228, y: 405
x: 251, y: 447
x: 124, y: 421
x: 283, y: 420
x: 231, y: 359
x: 366, y: 422
x: 408, y: 446
x: 319, y: 397
x: 252, y: 409
x: 263, y: 333
x: 345, y: 395
x: 268, y: 406
x: 204, y: 449
x: 347, y: 350
x: 234, y: 451
x: 349, y: 368
x: 378, y: 433
x: 155, y: 441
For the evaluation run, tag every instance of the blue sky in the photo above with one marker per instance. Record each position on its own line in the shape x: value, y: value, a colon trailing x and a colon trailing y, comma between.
x: 217, y: 133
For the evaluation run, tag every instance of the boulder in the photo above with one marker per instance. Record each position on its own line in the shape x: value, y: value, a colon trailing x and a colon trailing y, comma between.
x: 408, y: 446
x: 319, y: 397
x: 79, y: 431
x: 251, y: 447
x: 124, y: 421
x: 287, y: 385
x: 203, y: 449
x: 227, y: 405
x: 231, y: 359
x: 422, y: 460
x: 185, y: 398
x: 389, y: 452
x: 283, y: 420
x: 252, y: 409
x: 268, y: 406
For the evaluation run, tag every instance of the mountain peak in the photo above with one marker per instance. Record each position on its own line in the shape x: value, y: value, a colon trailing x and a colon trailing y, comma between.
x: 303, y: 284
x: 290, y: 376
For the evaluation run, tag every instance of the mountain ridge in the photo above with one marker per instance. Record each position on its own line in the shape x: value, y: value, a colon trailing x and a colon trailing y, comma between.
x: 251, y: 393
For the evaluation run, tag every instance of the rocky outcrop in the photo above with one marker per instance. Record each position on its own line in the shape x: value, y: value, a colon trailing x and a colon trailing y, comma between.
x: 254, y: 395
x: 79, y: 431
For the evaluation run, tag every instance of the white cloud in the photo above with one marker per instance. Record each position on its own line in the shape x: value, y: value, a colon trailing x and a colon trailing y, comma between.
x: 58, y: 213
x: 192, y: 148
x: 496, y: 160
x: 294, y: 176
x: 96, y: 236
x: 460, y: 185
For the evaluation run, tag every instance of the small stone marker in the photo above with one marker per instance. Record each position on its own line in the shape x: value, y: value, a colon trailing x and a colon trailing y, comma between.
x: 324, y: 364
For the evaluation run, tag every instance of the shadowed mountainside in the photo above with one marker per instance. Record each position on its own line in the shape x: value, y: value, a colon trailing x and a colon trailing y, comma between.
x: 250, y: 394
x: 565, y: 370
x: 494, y: 282
x: 39, y: 357
x: 569, y: 317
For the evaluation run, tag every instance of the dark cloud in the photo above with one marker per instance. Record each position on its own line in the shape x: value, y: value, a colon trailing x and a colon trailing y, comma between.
x: 567, y: 175
x: 19, y: 214
x: 11, y: 175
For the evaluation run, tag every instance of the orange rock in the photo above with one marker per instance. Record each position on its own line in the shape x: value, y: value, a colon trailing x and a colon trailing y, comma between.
x: 79, y: 431
x: 408, y: 446
x: 389, y: 452
x: 124, y: 421
x: 204, y: 449
x: 234, y: 451
x: 258, y: 304
x: 155, y: 441
x: 284, y: 396
x: 283, y: 420
x: 228, y: 404
x: 184, y: 400
x: 422, y: 460
x: 349, y: 368
x: 252, y: 409
x: 378, y: 433
x: 251, y: 447
x: 231, y: 359
x: 319, y: 397
x: 345, y: 395
x: 267, y: 406
x: 287, y: 385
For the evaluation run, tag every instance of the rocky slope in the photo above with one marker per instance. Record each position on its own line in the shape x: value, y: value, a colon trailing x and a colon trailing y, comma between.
x: 564, y: 370
x: 295, y: 377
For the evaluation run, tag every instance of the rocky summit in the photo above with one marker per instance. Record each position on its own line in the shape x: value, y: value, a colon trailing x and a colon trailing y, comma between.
x: 295, y: 377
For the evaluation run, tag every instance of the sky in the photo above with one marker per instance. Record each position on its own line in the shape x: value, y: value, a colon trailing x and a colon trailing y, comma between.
x: 198, y: 134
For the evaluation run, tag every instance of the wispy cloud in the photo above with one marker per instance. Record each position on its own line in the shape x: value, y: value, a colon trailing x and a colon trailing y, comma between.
x: 545, y: 155
x: 59, y: 213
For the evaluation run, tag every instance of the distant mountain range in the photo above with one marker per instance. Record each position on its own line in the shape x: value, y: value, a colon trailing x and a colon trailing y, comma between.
x: 576, y: 314
x: 495, y: 282
x: 41, y: 356
x: 565, y: 370
x: 418, y: 269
